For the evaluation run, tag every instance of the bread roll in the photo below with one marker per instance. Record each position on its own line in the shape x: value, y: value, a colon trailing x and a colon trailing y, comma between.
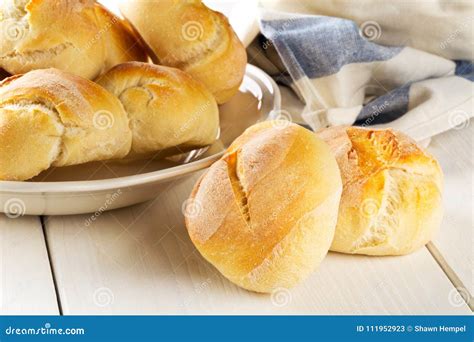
x: 268, y: 208
x: 391, y: 201
x: 120, y: 42
x: 79, y: 36
x: 189, y: 36
x: 53, y: 118
x: 169, y: 111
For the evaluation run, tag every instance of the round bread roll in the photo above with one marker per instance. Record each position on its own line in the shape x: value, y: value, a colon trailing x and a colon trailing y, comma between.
x: 79, y: 36
x: 189, y: 36
x: 391, y: 201
x: 268, y: 208
x: 169, y: 111
x: 53, y: 118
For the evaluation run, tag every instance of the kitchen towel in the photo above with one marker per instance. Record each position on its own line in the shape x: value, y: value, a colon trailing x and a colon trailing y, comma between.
x: 345, y: 75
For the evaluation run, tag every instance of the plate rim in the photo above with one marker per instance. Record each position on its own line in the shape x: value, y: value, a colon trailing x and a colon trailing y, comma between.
x: 138, y: 179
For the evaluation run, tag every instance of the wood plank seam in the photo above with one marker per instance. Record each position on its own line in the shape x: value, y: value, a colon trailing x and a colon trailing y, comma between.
x: 452, y: 276
x: 51, y: 265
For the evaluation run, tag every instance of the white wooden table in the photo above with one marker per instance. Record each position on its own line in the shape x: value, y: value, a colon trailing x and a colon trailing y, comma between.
x: 139, y: 260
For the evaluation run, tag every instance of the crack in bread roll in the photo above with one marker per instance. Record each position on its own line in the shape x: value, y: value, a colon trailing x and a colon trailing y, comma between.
x: 189, y: 36
x: 52, y: 118
x: 169, y: 111
x: 3, y: 74
x: 79, y: 36
x: 268, y: 208
x: 391, y: 201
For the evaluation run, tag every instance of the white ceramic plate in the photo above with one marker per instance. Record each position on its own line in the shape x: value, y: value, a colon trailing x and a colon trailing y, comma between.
x: 104, y: 186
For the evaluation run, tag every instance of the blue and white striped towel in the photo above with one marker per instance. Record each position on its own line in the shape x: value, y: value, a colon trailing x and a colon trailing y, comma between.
x: 345, y: 77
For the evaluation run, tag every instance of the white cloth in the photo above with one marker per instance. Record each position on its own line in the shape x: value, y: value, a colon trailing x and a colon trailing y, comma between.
x: 344, y: 76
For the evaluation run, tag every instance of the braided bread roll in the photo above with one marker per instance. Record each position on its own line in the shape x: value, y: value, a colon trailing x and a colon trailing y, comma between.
x: 53, y: 118
x: 189, y: 36
x: 169, y: 111
x: 79, y: 36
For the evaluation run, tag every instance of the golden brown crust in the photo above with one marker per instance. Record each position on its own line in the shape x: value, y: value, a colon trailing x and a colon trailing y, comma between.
x: 391, y: 201
x: 77, y: 36
x: 189, y: 36
x: 269, y: 207
x: 120, y: 41
x: 50, y: 117
x: 167, y: 107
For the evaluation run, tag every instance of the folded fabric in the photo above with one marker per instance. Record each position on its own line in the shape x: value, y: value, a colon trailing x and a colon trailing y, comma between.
x: 344, y: 77
x: 440, y: 27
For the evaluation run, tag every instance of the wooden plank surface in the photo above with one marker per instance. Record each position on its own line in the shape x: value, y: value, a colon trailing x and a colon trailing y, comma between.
x: 139, y: 260
x: 455, y: 151
x: 26, y: 283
